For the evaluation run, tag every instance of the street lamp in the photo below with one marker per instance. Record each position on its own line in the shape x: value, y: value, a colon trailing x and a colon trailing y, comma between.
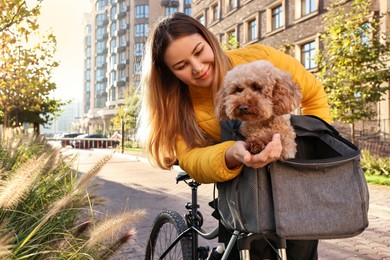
x: 123, y: 128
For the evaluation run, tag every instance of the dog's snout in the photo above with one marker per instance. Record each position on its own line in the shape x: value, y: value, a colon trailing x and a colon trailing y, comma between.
x: 243, y: 109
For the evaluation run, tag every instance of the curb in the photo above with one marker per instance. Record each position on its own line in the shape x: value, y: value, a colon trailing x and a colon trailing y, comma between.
x: 379, y: 211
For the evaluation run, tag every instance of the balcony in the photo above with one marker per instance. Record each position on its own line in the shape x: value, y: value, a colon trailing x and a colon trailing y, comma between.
x: 170, y: 3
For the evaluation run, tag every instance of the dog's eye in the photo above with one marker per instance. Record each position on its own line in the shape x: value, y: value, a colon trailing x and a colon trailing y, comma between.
x: 257, y: 87
x: 239, y: 89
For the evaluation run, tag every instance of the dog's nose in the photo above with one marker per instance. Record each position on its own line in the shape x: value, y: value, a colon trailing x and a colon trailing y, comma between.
x: 243, y: 109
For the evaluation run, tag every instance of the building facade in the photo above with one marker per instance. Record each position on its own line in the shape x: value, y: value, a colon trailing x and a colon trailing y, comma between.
x: 115, y: 35
x: 116, y: 31
x: 293, y: 26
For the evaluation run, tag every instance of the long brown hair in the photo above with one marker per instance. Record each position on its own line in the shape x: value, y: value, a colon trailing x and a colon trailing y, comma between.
x: 167, y: 111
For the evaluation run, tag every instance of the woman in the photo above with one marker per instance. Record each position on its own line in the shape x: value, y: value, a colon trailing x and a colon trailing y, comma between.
x: 183, y: 68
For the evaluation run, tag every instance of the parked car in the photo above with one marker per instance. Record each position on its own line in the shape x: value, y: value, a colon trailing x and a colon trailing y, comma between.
x: 69, y: 142
x: 80, y: 144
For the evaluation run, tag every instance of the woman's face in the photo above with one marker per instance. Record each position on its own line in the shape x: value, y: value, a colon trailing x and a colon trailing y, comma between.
x: 191, y: 59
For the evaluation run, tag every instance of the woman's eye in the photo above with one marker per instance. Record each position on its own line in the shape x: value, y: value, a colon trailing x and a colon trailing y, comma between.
x: 181, y: 67
x: 198, y: 52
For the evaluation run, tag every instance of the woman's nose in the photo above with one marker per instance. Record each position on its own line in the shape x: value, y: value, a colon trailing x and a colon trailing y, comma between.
x: 197, y: 67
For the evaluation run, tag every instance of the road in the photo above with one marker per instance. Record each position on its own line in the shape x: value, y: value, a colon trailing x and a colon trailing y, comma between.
x: 132, y: 184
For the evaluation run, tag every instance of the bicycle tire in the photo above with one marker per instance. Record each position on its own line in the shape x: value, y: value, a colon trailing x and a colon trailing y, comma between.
x: 165, y: 229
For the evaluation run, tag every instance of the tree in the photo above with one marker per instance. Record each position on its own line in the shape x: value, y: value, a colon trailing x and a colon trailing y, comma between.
x: 26, y: 66
x: 352, y: 63
x: 16, y: 11
x: 128, y: 113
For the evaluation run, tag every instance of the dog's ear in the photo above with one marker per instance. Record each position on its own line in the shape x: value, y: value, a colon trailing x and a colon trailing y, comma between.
x: 220, y: 108
x: 286, y: 94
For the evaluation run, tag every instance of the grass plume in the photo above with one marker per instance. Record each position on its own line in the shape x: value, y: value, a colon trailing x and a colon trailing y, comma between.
x: 108, y: 227
x: 86, y: 178
x: 13, y: 190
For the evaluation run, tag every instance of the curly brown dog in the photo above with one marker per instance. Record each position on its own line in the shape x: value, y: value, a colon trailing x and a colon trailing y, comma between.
x: 262, y: 97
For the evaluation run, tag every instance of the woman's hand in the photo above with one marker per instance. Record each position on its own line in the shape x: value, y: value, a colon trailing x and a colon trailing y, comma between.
x: 238, y: 154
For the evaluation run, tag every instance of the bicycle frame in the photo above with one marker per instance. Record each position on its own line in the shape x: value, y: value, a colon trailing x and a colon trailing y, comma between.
x: 241, y: 239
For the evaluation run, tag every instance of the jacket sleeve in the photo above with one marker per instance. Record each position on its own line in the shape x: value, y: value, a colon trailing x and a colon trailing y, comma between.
x: 314, y: 99
x: 206, y: 164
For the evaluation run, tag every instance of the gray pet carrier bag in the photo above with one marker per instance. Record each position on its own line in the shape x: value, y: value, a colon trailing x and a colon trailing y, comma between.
x: 320, y: 194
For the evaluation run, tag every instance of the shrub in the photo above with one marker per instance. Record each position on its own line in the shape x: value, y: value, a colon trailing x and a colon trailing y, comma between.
x: 46, y: 208
x: 374, y: 165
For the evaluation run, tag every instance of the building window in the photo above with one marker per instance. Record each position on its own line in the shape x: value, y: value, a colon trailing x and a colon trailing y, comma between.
x: 305, y: 9
x: 187, y: 11
x: 122, y: 75
x: 364, y: 33
x: 100, y: 47
x: 113, y: 28
x: 113, y: 45
x: 232, y: 5
x: 88, y: 75
x: 113, y: 78
x: 137, y: 68
x: 100, y: 5
x: 252, y: 30
x: 141, y: 30
x: 139, y: 48
x: 100, y: 19
x: 123, y: 7
x: 277, y: 15
x: 187, y: 2
x: 99, y: 75
x: 202, y: 20
x: 122, y: 41
x: 113, y: 12
x: 113, y: 60
x: 308, y: 7
x: 142, y: 11
x: 170, y: 10
x: 100, y: 33
x: 88, y: 40
x: 308, y: 51
x: 99, y: 61
x: 122, y: 58
x: 88, y: 63
x: 215, y: 12
x: 123, y: 23
x: 231, y: 40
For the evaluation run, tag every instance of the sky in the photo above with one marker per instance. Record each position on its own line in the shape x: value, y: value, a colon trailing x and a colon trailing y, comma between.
x: 65, y: 19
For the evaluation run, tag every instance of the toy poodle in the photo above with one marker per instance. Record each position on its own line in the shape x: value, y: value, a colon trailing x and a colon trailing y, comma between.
x: 262, y: 97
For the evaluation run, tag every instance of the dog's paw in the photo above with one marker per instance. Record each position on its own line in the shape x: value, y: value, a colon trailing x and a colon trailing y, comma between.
x: 288, y: 154
x: 255, y: 147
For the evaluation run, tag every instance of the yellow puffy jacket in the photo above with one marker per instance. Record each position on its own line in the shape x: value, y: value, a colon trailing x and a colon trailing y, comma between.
x: 207, y: 164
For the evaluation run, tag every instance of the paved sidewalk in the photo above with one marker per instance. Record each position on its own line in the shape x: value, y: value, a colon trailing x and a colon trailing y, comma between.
x: 373, y: 243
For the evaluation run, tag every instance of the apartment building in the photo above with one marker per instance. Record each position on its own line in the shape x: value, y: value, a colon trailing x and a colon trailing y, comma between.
x: 289, y: 25
x: 115, y: 34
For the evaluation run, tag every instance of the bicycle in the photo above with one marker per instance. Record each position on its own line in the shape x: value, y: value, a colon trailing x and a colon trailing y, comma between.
x: 174, y: 237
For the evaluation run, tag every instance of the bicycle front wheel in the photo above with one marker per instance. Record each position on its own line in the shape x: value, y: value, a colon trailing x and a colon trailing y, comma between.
x: 166, y: 228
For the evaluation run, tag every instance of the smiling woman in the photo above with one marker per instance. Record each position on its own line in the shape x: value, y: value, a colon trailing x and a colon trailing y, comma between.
x: 184, y: 67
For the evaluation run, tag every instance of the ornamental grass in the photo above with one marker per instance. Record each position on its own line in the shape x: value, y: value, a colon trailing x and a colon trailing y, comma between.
x: 47, y: 208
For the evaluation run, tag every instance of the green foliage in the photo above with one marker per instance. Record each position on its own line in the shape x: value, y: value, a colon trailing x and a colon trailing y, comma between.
x: 15, y: 11
x: 352, y: 64
x: 231, y: 44
x: 46, y: 208
x: 374, y: 165
x: 129, y: 112
x: 26, y: 66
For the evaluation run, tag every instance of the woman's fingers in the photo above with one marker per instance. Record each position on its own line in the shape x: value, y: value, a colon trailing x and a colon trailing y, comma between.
x: 271, y: 152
